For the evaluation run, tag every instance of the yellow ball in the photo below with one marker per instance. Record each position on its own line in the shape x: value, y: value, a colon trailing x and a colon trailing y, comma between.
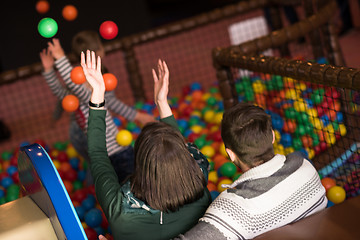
x: 124, y: 137
x: 196, y: 113
x: 277, y: 136
x: 196, y: 128
x: 71, y: 152
x: 222, y: 150
x: 205, y: 96
x: 300, y: 106
x: 213, y: 177
x: 288, y: 150
x: 330, y: 138
x: 224, y: 181
x: 312, y: 113
x: 218, y: 117
x: 84, y: 225
x: 311, y: 152
x: 208, y: 151
x: 336, y: 194
x: 342, y: 129
x: 209, y: 116
x: 56, y: 164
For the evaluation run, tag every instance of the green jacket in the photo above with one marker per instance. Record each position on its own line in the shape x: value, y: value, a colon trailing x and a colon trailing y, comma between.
x: 129, y: 218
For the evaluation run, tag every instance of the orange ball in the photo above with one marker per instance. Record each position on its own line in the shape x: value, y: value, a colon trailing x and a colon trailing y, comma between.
x: 42, y: 6
x: 328, y: 183
x: 68, y: 186
x: 211, y: 186
x: 110, y: 81
x: 70, y: 103
x: 69, y: 12
x: 77, y: 75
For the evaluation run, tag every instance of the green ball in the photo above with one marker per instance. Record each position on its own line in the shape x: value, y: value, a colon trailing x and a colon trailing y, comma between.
x: 228, y: 169
x: 6, y: 155
x: 139, y: 105
x: 77, y: 185
x: 47, y: 27
x: 131, y: 126
x: 236, y: 176
x: 61, y: 146
x: 2, y: 200
x: 200, y: 141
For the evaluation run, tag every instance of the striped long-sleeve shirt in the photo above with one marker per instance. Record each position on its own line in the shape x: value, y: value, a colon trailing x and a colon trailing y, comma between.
x: 83, y: 93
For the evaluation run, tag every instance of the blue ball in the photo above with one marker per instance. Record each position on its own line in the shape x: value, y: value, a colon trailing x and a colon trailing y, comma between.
x: 74, y: 162
x: 339, y: 117
x: 286, y: 140
x: 11, y: 170
x: 99, y: 230
x: 195, y: 86
x: 117, y: 121
x: 24, y: 143
x: 2, y: 193
x: 330, y: 204
x: 325, y: 120
x: 136, y: 130
x: 81, y: 175
x: 6, y: 182
x: 93, y: 218
x: 80, y: 210
x: 182, y: 123
x: 214, y: 194
x: 89, y: 202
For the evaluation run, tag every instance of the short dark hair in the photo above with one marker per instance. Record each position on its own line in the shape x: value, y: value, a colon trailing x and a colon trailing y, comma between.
x: 166, y: 175
x: 246, y: 130
x: 85, y: 40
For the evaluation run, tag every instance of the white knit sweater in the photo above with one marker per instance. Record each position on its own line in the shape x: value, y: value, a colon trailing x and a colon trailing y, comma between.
x: 278, y: 192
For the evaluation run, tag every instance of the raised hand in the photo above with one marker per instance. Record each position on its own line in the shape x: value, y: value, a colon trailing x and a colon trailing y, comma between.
x: 161, y: 89
x: 55, y: 48
x: 92, y: 71
x: 161, y: 82
x: 47, y: 60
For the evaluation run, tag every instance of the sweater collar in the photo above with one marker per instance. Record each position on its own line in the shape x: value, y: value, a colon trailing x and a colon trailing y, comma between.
x: 263, y: 170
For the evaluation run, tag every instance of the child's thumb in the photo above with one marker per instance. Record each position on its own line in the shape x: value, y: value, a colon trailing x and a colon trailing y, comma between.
x: 101, y: 237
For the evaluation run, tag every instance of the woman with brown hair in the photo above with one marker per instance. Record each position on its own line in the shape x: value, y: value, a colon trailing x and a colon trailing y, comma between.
x: 167, y: 194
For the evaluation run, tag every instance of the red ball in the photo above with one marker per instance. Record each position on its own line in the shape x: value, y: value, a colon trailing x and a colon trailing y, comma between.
x: 69, y: 12
x: 42, y: 6
x: 70, y: 103
x: 70, y: 175
x: 62, y: 157
x: 108, y: 30
x: 79, y: 195
x: 91, y: 234
x: 77, y: 75
x: 110, y: 81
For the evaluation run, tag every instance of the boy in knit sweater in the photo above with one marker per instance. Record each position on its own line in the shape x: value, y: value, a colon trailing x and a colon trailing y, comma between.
x: 273, y: 191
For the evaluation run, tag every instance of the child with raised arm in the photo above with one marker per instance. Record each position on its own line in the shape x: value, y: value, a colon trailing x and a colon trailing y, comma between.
x: 273, y: 191
x: 167, y: 194
x: 121, y: 157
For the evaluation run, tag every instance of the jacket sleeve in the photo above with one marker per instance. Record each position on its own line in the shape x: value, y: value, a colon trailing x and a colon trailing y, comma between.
x: 107, y: 187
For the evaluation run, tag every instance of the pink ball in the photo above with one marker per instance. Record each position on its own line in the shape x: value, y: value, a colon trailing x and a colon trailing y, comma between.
x: 108, y: 30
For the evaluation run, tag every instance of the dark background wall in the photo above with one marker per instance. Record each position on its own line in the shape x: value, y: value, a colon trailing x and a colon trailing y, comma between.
x: 20, y: 42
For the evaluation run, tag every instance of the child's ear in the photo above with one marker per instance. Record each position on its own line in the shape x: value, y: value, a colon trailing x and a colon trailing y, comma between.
x: 231, y: 154
x: 273, y: 133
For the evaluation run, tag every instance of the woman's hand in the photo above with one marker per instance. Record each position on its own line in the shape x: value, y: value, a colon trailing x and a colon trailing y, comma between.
x: 47, y: 60
x: 161, y: 82
x: 55, y: 48
x: 161, y: 89
x: 92, y: 71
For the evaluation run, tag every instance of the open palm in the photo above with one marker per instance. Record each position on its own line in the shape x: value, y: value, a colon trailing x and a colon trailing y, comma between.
x: 92, y: 70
